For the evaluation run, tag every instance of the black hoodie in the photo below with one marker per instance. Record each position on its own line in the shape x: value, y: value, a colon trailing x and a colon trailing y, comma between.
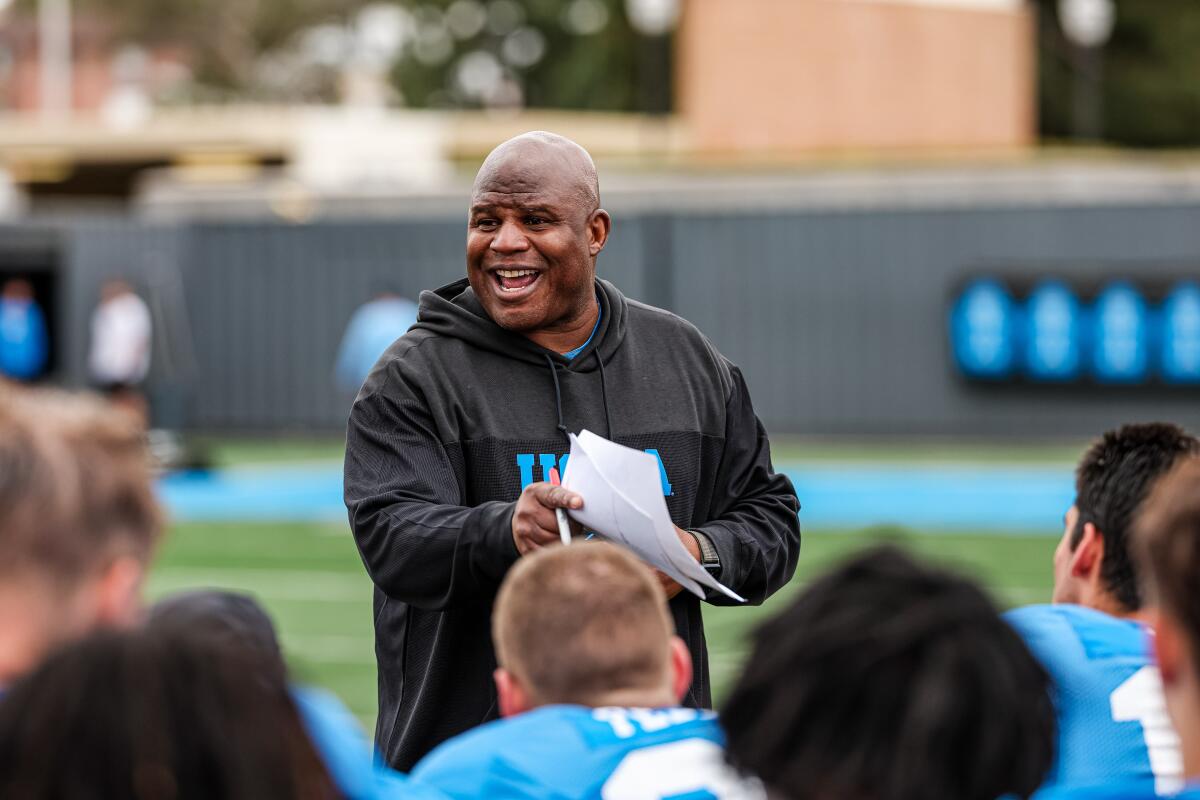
x: 455, y: 418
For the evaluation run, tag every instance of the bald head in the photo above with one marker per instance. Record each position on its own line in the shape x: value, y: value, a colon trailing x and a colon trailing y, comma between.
x: 534, y: 230
x: 527, y: 162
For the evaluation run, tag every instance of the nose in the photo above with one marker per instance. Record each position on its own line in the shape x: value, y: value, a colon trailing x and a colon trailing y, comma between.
x: 509, y: 238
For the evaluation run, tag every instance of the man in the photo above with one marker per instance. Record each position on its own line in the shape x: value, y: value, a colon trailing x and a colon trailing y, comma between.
x: 1112, y: 722
x: 889, y: 680
x: 1166, y: 546
x: 119, y: 356
x: 589, y: 682
x: 78, y: 522
x: 454, y: 433
x: 24, y: 344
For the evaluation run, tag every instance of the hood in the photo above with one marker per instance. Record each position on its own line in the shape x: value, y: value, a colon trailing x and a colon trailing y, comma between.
x: 455, y: 311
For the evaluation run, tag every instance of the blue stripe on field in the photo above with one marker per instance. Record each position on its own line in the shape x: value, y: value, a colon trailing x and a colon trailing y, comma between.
x: 1011, y: 498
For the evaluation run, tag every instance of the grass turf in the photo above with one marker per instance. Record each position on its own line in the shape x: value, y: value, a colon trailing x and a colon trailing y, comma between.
x: 310, y: 578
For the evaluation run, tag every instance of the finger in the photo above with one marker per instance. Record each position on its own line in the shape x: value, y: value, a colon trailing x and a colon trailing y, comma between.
x: 552, y: 496
x: 542, y: 519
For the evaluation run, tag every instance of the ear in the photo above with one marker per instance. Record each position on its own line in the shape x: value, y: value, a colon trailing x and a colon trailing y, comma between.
x: 599, y: 225
x: 1085, y: 561
x: 1168, y: 649
x: 511, y: 695
x: 681, y: 668
x: 119, y: 593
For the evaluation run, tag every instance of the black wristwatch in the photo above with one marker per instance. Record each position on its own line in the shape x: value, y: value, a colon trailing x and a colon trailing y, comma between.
x: 709, y: 558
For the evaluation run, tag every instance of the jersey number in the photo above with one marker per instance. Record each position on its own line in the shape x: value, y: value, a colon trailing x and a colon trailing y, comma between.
x: 1140, y: 699
x: 691, y: 768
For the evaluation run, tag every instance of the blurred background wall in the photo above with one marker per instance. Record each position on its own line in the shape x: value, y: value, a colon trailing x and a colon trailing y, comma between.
x: 812, y: 182
x: 794, y: 74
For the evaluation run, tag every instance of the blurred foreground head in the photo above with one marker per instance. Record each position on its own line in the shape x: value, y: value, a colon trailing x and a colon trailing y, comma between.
x: 586, y: 624
x: 1093, y: 565
x: 889, y: 680
x: 232, y: 618
x: 1167, y: 547
x: 78, y: 521
x: 156, y: 714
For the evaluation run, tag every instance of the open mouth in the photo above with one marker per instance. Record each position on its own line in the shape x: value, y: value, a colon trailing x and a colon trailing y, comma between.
x: 515, y: 281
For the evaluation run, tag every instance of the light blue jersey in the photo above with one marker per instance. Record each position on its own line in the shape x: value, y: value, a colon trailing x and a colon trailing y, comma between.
x: 348, y: 755
x: 1137, y: 790
x: 1112, y: 720
x: 572, y: 753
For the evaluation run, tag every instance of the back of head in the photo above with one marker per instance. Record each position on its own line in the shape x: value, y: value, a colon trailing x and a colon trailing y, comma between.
x: 581, y: 623
x: 231, y: 618
x: 889, y: 680
x: 155, y: 714
x: 75, y: 486
x: 78, y: 521
x: 1112, y: 480
x: 1167, y: 543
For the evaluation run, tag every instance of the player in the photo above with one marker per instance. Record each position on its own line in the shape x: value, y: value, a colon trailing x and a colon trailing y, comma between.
x: 888, y: 680
x: 78, y: 522
x: 589, y: 682
x: 1167, y: 550
x: 1112, y: 721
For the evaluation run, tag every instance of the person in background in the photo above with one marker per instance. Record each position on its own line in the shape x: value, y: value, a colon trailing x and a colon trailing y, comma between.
x: 1113, y: 723
x: 590, y: 680
x: 119, y: 357
x: 375, y: 325
x: 155, y: 714
x: 79, y: 521
x: 24, y: 342
x: 889, y: 680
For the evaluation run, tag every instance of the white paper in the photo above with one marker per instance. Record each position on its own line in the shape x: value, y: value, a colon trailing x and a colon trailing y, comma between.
x: 623, y: 502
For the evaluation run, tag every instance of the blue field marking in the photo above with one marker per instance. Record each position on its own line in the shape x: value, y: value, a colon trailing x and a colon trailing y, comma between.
x: 947, y: 497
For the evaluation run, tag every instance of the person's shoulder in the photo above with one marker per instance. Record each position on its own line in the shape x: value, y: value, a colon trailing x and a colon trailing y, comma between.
x: 666, y: 328
x: 658, y: 319
x: 480, y: 747
x: 1118, y: 790
x: 1070, y: 639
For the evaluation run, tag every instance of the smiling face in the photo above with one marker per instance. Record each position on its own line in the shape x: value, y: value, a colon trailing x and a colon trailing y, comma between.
x: 533, y: 235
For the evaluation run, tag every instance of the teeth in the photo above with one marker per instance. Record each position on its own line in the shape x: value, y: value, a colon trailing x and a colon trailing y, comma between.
x: 515, y: 273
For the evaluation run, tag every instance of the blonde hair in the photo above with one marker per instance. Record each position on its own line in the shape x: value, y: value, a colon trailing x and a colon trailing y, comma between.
x: 75, y: 485
x: 576, y: 623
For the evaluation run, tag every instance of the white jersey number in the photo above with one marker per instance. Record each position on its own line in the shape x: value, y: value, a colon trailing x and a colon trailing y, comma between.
x: 689, y: 766
x: 1140, y: 699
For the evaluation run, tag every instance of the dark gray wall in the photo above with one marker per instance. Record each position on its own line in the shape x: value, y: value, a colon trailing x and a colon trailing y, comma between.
x: 836, y: 317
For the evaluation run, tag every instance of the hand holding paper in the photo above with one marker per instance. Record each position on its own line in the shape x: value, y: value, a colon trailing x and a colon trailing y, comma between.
x: 624, y: 504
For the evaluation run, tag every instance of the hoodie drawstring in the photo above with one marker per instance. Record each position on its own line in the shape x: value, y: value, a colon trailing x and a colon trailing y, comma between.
x: 604, y: 393
x: 561, y: 426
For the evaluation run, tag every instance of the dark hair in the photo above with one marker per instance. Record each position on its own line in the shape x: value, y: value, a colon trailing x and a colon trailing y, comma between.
x: 232, y: 618
x: 889, y: 680
x: 1111, y: 481
x: 155, y: 715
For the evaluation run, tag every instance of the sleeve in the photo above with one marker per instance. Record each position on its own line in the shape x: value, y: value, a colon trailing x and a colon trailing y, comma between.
x: 418, y: 541
x: 755, y: 527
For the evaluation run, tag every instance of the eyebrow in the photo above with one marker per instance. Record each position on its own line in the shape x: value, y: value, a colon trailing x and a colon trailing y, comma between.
x: 479, y: 208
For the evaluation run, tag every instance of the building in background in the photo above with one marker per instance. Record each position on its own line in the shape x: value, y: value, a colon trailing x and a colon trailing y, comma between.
x: 789, y: 76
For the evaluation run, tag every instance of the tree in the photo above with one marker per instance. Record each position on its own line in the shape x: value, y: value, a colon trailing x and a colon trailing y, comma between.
x: 1150, y: 81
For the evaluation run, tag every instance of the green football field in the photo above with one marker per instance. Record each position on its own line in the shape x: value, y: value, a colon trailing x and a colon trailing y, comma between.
x: 310, y: 578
